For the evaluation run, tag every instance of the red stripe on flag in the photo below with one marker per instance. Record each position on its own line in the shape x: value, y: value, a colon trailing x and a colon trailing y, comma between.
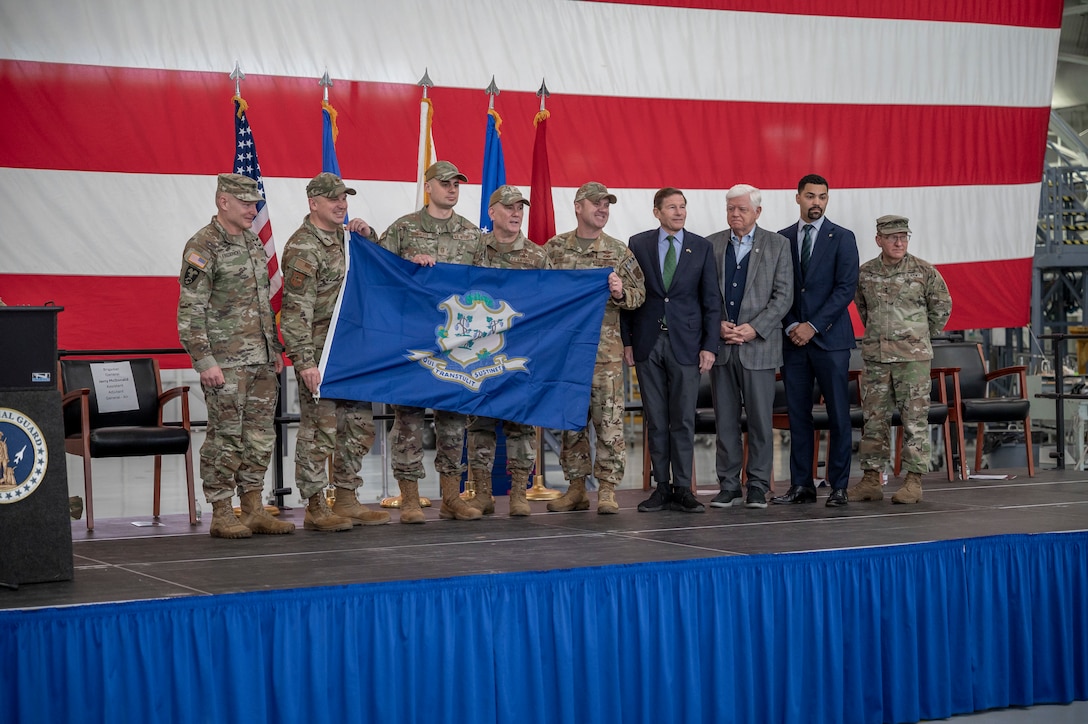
x: 1026, y: 13
x: 984, y: 295
x: 989, y: 294
x: 145, y: 121
x: 105, y: 312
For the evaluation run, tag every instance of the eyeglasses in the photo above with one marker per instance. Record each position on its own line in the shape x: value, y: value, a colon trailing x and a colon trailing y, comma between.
x: 896, y: 238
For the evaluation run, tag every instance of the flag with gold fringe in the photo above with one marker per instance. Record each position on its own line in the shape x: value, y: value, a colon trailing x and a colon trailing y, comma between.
x: 494, y: 173
x: 427, y: 154
x: 541, y: 214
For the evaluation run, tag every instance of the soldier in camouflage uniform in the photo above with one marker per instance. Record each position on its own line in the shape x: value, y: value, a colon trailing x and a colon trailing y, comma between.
x: 588, y: 247
x: 902, y: 301
x: 433, y: 234
x: 314, y: 269
x: 226, y: 324
x: 505, y: 248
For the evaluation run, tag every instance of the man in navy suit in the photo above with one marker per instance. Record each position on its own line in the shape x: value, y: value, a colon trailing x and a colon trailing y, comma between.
x: 670, y: 340
x: 819, y: 337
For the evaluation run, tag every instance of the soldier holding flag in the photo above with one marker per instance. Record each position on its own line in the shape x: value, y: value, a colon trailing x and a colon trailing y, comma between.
x: 505, y: 248
x: 435, y: 233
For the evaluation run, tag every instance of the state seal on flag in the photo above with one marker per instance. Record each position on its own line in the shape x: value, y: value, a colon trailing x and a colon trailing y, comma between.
x: 24, y: 457
x: 473, y: 334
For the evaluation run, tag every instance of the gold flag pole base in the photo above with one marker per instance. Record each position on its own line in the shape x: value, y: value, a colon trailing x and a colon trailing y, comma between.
x: 470, y: 489
x: 394, y: 502
x: 539, y: 492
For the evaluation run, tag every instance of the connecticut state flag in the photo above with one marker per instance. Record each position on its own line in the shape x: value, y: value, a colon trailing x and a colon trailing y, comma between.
x: 513, y: 344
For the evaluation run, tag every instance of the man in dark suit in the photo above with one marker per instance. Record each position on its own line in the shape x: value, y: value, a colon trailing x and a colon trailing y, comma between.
x: 755, y: 276
x: 670, y: 340
x: 819, y: 337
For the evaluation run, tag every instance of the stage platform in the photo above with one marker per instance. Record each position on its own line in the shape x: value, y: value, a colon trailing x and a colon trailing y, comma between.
x: 132, y: 559
x: 975, y: 599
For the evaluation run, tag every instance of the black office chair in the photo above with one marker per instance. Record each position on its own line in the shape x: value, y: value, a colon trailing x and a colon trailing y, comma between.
x: 135, y: 430
x: 968, y: 390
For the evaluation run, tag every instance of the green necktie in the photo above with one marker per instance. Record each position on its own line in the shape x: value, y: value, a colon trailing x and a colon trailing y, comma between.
x: 670, y: 262
x: 668, y: 271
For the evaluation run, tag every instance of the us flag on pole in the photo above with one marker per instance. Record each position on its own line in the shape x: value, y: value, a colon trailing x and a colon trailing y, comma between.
x: 245, y: 163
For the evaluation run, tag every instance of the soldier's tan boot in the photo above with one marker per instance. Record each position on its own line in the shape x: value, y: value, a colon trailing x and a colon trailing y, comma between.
x: 574, y: 499
x: 484, y: 500
x: 519, y: 504
x: 346, y: 505
x: 869, y: 488
x: 319, y: 517
x: 410, y: 509
x: 911, y: 492
x: 259, y: 520
x: 225, y: 523
x: 606, y: 500
x: 452, y: 505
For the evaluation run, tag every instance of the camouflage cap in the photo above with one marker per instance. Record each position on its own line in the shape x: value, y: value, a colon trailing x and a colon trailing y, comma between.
x: 240, y: 187
x: 444, y: 171
x: 507, y: 196
x: 594, y: 192
x: 892, y: 224
x: 327, y: 184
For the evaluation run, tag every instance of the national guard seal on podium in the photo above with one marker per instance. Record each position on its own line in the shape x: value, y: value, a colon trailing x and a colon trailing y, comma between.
x: 35, y: 529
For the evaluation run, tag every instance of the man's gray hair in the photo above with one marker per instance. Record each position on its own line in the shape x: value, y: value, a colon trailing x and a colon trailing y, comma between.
x: 745, y: 190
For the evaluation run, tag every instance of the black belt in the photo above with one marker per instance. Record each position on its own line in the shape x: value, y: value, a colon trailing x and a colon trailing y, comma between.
x: 663, y: 325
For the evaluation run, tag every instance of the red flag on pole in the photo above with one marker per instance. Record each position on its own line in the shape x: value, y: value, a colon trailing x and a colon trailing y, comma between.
x: 541, y: 213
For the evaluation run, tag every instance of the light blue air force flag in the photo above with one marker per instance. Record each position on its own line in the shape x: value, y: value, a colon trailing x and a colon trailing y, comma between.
x: 513, y: 344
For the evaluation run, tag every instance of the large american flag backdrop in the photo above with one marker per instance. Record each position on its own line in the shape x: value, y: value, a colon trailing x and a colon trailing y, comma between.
x: 117, y: 115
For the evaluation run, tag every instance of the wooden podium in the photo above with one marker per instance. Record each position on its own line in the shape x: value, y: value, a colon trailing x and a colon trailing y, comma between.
x: 35, y: 531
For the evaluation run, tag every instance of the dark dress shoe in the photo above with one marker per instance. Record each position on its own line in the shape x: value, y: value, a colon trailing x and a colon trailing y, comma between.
x: 796, y: 494
x: 837, y: 499
x: 658, y: 501
x: 685, y: 501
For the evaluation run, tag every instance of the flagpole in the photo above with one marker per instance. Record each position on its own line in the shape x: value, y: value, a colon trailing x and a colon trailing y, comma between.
x: 263, y: 229
x: 331, y: 163
x: 426, y: 152
x: 423, y: 160
x: 539, y: 490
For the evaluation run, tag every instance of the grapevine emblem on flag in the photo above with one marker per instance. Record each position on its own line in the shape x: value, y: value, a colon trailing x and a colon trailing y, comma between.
x: 473, y: 335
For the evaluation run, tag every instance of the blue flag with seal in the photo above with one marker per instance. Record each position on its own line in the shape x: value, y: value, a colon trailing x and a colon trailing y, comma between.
x: 513, y: 344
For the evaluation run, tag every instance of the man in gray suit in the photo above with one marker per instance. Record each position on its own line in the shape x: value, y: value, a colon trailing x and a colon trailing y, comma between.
x: 755, y: 273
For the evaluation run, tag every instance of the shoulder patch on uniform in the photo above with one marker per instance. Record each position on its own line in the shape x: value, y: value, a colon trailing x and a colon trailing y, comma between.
x: 296, y: 280
x: 190, y: 276
x: 303, y: 266
x: 197, y: 260
x: 631, y: 264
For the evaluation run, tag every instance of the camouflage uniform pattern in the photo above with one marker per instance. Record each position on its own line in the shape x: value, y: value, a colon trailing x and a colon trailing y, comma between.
x: 520, y: 438
x: 606, y: 396
x: 225, y: 320
x: 902, y: 306
x: 455, y: 241
x: 314, y: 266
